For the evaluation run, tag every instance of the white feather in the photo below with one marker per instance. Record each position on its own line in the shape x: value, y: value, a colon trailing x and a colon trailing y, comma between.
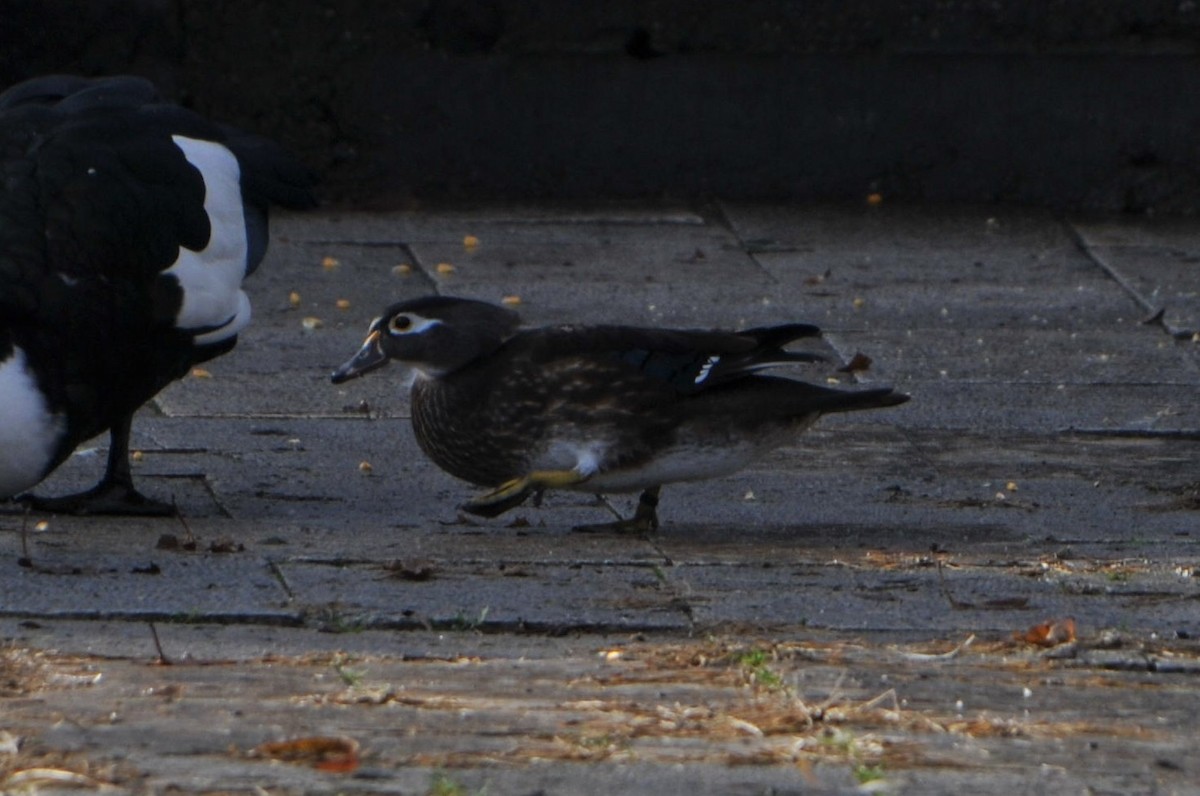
x: 211, y: 278
x: 679, y: 464
x: 29, y: 432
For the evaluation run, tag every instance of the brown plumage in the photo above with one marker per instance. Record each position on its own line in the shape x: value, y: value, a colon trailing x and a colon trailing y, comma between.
x: 593, y: 408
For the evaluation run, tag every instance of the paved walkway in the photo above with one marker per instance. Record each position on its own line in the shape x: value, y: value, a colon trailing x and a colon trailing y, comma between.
x: 802, y: 626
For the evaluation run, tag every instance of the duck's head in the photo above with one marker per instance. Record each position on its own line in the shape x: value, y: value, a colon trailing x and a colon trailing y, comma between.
x: 434, y: 335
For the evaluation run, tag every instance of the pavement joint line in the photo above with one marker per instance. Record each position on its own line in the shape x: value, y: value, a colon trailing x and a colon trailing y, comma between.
x: 1097, y: 259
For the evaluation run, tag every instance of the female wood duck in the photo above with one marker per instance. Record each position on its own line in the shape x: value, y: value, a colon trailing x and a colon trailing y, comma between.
x: 593, y: 408
x: 126, y: 227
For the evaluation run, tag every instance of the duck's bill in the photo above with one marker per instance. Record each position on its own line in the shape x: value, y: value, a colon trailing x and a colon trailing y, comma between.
x: 368, y: 358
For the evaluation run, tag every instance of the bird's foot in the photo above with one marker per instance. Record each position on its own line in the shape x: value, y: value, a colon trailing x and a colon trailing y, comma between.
x: 513, y: 493
x: 643, y: 521
x: 108, y: 498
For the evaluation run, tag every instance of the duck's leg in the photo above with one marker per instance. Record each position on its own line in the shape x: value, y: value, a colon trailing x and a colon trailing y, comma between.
x: 115, y: 494
x: 513, y: 493
x: 644, y: 519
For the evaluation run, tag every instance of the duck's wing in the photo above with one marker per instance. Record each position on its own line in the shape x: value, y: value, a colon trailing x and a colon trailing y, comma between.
x: 685, y: 360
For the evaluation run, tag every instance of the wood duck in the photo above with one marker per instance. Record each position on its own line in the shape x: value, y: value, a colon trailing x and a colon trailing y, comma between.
x: 126, y: 227
x: 593, y: 408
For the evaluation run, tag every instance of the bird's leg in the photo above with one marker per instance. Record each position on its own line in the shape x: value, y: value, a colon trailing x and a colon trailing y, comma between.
x: 513, y: 493
x: 644, y: 519
x: 115, y: 494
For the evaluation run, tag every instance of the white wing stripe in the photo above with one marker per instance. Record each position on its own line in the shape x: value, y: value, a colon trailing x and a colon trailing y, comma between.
x: 211, y: 278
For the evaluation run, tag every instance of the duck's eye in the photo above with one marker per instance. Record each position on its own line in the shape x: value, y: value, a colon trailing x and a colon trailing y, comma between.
x: 400, y: 323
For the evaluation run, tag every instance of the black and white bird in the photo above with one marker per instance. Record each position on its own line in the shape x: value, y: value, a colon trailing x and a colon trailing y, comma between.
x: 127, y: 225
x: 593, y: 408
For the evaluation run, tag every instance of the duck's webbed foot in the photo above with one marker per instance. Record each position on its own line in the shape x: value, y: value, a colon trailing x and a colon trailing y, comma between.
x: 513, y: 493
x: 644, y: 519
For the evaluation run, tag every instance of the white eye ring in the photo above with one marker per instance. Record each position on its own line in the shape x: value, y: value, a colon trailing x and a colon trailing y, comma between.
x: 407, y: 323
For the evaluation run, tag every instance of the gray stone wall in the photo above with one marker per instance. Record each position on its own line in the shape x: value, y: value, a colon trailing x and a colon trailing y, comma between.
x: 1066, y: 104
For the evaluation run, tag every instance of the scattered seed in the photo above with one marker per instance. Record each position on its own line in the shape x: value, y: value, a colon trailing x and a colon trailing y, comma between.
x: 403, y: 269
x: 201, y: 373
x: 364, y: 467
x: 470, y: 241
x: 310, y: 323
x: 294, y: 299
x: 445, y: 268
x: 343, y: 304
x: 330, y: 263
x: 511, y: 301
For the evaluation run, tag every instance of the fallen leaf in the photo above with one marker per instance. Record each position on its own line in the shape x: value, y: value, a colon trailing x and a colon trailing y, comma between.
x: 223, y: 544
x: 338, y: 755
x: 1049, y: 634
x: 858, y: 363
x: 413, y: 569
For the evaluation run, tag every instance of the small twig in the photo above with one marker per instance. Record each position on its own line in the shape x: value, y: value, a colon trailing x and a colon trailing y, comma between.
x: 25, y: 560
x: 954, y: 603
x: 942, y: 656
x: 191, y: 537
x: 163, y: 660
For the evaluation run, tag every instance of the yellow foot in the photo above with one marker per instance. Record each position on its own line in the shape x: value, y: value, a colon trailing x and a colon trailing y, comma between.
x: 643, y: 521
x: 513, y: 493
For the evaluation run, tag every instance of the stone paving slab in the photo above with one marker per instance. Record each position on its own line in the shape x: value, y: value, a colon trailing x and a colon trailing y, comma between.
x: 1158, y: 262
x: 1045, y: 468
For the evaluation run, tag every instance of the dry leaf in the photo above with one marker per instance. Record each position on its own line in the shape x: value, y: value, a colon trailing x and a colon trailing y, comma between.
x: 338, y: 755
x: 414, y: 569
x: 1049, y: 634
x: 858, y: 363
x: 223, y: 544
